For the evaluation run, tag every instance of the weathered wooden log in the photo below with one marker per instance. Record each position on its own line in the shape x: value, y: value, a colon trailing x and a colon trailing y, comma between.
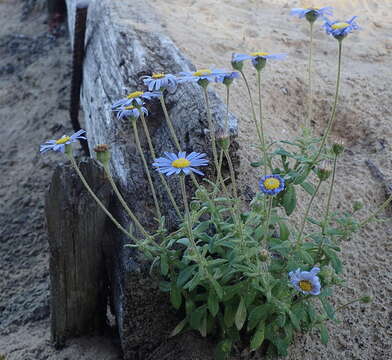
x: 124, y: 42
x: 77, y: 233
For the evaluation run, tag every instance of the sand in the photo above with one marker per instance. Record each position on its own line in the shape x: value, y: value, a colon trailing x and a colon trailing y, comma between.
x: 33, y: 107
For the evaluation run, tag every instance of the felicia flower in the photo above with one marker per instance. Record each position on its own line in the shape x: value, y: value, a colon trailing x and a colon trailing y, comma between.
x: 136, y: 98
x: 175, y: 164
x: 258, y: 58
x: 306, y: 282
x: 339, y: 29
x: 160, y: 81
x: 312, y: 13
x: 271, y: 184
x: 59, y: 145
x: 203, y: 76
x: 130, y: 112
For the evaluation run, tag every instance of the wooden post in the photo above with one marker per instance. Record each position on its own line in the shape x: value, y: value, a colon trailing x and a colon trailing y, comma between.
x: 77, y: 232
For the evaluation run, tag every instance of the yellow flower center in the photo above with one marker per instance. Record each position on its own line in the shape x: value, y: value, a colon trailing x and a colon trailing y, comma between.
x: 305, y: 285
x: 271, y: 183
x: 135, y: 94
x: 63, y: 140
x: 340, y: 25
x: 202, y: 72
x: 259, y: 53
x: 158, y: 75
x: 181, y: 163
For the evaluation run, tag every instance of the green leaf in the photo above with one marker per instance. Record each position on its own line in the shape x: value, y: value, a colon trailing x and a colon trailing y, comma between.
x: 196, y: 317
x: 175, y: 296
x: 217, y: 288
x: 185, y: 274
x: 202, y: 227
x: 229, y: 314
x: 223, y: 349
x: 324, y: 334
x: 328, y: 308
x: 294, y: 320
x: 258, y: 337
x: 178, y: 328
x: 302, y: 176
x: 289, y: 200
x: 164, y: 264
x: 184, y: 241
x: 257, y: 314
x: 240, y: 315
x: 335, y: 261
x: 284, y: 231
x: 213, y: 303
x: 308, y: 187
x: 306, y: 257
x: 257, y: 163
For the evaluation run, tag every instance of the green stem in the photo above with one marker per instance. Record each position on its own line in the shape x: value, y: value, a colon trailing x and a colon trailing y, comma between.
x: 267, y: 221
x: 173, y: 134
x: 372, y: 216
x: 333, y: 114
x: 252, y: 107
x: 189, y: 222
x: 265, y: 161
x: 211, y: 128
x: 326, y: 218
x: 102, y: 206
x: 310, y: 104
x: 299, y: 237
x: 169, y: 123
x: 345, y: 305
x: 153, y: 155
x: 232, y: 173
x: 139, y: 148
x: 227, y: 132
x: 123, y: 203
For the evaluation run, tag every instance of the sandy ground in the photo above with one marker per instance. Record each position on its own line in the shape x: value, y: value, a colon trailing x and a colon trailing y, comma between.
x: 33, y: 105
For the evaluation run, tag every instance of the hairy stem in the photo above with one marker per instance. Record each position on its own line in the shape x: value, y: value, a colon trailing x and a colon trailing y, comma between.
x: 99, y: 202
x: 123, y: 203
x: 252, y: 107
x: 372, y: 216
x: 310, y: 68
x: 326, y: 218
x: 265, y: 160
x: 299, y: 237
x: 333, y: 114
x: 153, y: 155
x: 139, y: 148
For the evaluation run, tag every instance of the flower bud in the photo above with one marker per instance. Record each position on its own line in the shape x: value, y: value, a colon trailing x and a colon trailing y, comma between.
x: 103, y: 154
x: 358, y: 205
x: 324, y: 170
x: 366, y: 299
x: 264, y: 255
x: 222, y: 139
x: 338, y: 148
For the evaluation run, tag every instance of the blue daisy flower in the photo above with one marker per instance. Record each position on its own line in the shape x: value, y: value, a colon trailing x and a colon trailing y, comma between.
x: 312, y: 13
x: 340, y: 29
x: 203, y: 76
x: 259, y: 59
x: 130, y: 112
x: 136, y: 98
x: 175, y: 164
x: 306, y: 282
x: 59, y: 145
x: 271, y: 184
x: 160, y: 81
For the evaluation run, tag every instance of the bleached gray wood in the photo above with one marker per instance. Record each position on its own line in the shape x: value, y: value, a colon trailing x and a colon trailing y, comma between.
x: 77, y: 234
x: 125, y: 41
